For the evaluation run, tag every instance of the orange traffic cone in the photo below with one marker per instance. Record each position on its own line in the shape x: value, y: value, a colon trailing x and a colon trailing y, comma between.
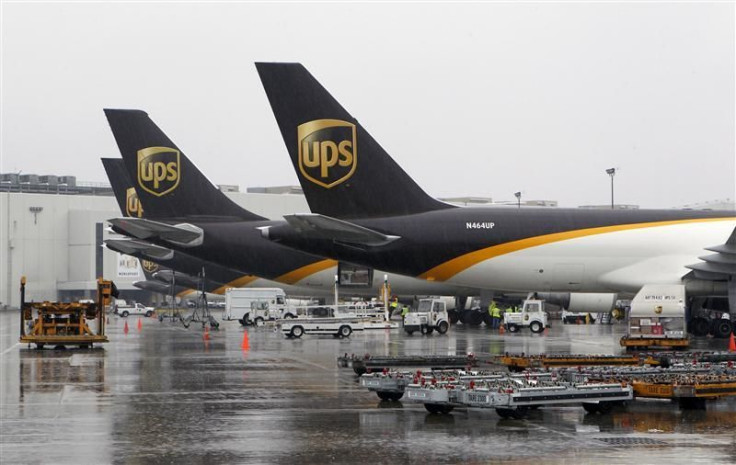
x: 140, y: 324
x: 206, y: 335
x: 125, y: 328
x: 731, y: 344
x: 501, y: 330
x: 245, y: 345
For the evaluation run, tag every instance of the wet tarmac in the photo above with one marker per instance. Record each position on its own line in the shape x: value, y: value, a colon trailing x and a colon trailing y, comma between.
x: 165, y: 395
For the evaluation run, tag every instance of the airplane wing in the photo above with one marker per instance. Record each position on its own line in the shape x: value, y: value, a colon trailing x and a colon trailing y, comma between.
x: 135, y: 247
x: 184, y: 234
x: 720, y: 265
x: 325, y: 227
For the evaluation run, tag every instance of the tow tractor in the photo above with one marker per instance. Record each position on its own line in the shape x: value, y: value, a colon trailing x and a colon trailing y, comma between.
x: 532, y: 315
x: 428, y: 316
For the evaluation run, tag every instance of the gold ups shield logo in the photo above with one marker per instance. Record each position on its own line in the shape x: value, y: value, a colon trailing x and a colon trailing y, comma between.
x: 133, y: 206
x: 149, y: 266
x: 158, y: 170
x: 327, y: 151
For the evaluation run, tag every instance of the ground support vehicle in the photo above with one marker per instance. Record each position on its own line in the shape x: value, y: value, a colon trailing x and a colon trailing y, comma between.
x: 663, y: 359
x: 521, y: 362
x: 338, y: 327
x: 390, y: 386
x: 260, y: 312
x: 367, y: 363
x: 239, y: 302
x: 657, y: 318
x: 532, y: 316
x: 690, y: 391
x: 511, y: 396
x: 691, y: 385
x: 428, y: 316
x: 594, y: 387
x: 65, y: 323
x: 134, y: 308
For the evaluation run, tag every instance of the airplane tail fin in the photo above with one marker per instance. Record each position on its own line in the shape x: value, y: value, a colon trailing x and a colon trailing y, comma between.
x: 343, y: 171
x: 122, y: 188
x: 168, y: 184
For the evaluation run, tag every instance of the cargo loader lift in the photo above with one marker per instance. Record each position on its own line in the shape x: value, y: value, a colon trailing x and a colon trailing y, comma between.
x: 65, y: 323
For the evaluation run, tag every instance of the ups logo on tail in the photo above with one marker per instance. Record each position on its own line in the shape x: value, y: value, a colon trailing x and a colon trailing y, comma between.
x: 133, y: 206
x: 158, y: 170
x: 327, y: 151
x: 149, y: 266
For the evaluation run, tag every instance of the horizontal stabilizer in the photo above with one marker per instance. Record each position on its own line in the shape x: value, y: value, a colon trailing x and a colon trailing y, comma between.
x: 706, y: 276
x: 726, y: 259
x: 174, y: 277
x: 137, y: 248
x: 184, y: 234
x: 325, y: 227
x: 154, y: 286
x: 712, y: 267
x: 723, y: 248
x: 718, y: 266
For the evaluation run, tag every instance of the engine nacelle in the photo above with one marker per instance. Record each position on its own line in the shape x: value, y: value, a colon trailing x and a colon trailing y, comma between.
x: 591, y: 302
x: 579, y: 302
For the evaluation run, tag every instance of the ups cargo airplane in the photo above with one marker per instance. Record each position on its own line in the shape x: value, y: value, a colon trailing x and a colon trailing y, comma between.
x: 367, y: 210
x: 185, y: 213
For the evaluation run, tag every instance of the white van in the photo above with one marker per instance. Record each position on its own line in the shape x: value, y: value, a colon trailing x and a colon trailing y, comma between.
x: 239, y: 301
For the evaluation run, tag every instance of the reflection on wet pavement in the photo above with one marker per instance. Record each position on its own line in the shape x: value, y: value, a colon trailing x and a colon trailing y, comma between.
x: 165, y: 394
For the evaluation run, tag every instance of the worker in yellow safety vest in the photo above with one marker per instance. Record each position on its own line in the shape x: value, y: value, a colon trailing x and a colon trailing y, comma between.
x: 394, y: 305
x: 404, y: 311
x: 495, y: 313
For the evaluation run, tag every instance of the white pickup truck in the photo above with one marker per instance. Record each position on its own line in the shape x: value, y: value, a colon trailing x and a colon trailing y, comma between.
x: 134, y: 308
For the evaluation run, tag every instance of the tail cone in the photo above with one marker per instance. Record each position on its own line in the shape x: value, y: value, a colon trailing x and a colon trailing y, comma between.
x: 125, y: 328
x: 731, y: 344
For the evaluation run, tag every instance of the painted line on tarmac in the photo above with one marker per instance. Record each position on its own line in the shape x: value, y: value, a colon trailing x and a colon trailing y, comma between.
x: 10, y: 348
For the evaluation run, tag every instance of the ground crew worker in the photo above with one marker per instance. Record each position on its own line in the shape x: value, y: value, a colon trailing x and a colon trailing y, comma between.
x: 394, y: 305
x: 404, y: 312
x: 495, y: 313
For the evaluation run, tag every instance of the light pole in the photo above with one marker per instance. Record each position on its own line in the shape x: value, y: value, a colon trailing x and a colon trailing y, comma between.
x: 611, y: 172
x: 518, y: 199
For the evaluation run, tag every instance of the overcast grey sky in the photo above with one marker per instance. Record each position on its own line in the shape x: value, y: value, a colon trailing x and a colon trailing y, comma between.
x: 470, y: 99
